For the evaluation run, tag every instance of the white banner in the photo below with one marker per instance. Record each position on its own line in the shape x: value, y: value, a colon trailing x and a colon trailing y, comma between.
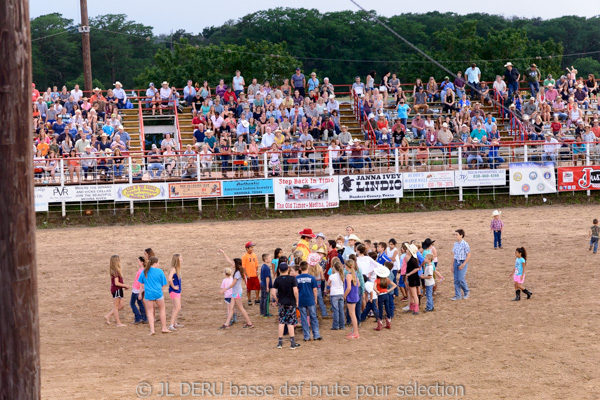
x: 306, y: 193
x: 141, y: 191
x: 375, y: 186
x: 73, y: 193
x: 428, y: 180
x: 480, y: 177
x: 532, y: 178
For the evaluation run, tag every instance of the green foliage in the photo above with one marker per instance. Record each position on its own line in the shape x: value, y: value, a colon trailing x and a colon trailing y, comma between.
x: 80, y: 81
x: 214, y: 62
x: 587, y: 65
x: 339, y: 45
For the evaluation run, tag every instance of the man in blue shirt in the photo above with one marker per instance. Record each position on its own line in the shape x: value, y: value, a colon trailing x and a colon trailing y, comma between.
x: 189, y: 92
x: 307, y: 301
x: 58, y: 126
x: 444, y: 86
x: 462, y: 255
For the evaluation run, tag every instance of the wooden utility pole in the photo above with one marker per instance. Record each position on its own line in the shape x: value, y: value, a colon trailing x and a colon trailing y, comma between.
x: 85, y: 46
x: 19, y: 327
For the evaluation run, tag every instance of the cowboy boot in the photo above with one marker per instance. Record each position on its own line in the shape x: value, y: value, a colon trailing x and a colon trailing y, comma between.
x: 379, y: 325
x: 388, y: 323
x: 518, y: 297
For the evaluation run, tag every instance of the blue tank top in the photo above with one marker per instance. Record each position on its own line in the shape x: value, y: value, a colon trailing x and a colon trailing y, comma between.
x: 353, y: 295
x: 176, y: 282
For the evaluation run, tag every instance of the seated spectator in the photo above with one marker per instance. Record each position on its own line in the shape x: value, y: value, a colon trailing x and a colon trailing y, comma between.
x: 170, y: 160
x: 103, y: 144
x: 155, y: 162
x: 551, y: 148
x: 530, y: 108
x: 420, y: 100
x: 493, y: 156
x: 478, y: 133
x: 356, y: 161
x: 120, y: 95
x: 422, y: 155
x: 581, y: 97
x: 431, y: 137
x: 206, y: 160
x: 472, y: 151
x: 579, y: 150
x: 418, y: 127
x: 345, y: 137
x: 189, y: 93
x: 499, y: 85
x: 88, y: 162
x: 117, y: 160
x: 229, y: 95
x: 117, y: 143
x: 168, y: 141
x: 124, y: 136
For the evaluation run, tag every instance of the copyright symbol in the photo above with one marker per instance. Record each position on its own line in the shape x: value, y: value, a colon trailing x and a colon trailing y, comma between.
x: 143, y: 389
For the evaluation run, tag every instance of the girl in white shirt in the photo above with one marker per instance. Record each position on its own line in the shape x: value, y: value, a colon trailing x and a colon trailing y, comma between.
x: 336, y: 293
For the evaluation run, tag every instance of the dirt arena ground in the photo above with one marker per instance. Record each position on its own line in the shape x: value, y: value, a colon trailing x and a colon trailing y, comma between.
x: 543, y: 348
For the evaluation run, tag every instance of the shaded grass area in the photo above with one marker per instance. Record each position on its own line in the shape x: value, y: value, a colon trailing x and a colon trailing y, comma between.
x: 253, y: 208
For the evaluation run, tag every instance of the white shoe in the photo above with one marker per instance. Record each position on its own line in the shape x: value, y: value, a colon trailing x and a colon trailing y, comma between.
x: 171, y: 328
x: 466, y: 296
x: 178, y: 326
x: 407, y: 308
x: 455, y: 298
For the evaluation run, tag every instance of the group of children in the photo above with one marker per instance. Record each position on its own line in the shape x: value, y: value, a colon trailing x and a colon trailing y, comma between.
x: 147, y: 291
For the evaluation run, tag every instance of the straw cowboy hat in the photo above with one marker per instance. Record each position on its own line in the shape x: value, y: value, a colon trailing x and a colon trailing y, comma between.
x: 382, y: 272
x: 413, y: 249
x: 354, y: 237
x: 96, y: 89
x: 117, y: 83
x: 508, y: 64
x: 307, y: 232
x: 496, y: 212
x: 165, y: 83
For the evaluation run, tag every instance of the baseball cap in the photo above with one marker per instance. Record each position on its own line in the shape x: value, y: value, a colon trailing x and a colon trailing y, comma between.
x: 283, y: 267
x: 250, y: 244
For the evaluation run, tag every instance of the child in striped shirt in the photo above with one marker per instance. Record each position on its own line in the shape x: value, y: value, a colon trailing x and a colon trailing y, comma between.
x: 496, y: 226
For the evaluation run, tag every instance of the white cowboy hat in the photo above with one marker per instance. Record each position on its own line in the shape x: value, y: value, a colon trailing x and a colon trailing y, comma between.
x: 496, y: 212
x: 245, y: 123
x: 332, y: 96
x: 413, y: 249
x: 97, y: 89
x: 354, y: 237
x: 382, y: 272
x: 165, y: 83
x: 351, y: 142
x: 508, y: 64
x: 117, y: 83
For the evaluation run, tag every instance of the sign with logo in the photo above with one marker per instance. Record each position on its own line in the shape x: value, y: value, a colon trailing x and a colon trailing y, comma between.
x: 73, y: 193
x: 532, y: 178
x: 247, y: 187
x: 480, y: 177
x: 140, y: 191
x: 195, y: 190
x: 365, y: 187
x: 428, y: 180
x: 579, y: 178
x: 306, y: 193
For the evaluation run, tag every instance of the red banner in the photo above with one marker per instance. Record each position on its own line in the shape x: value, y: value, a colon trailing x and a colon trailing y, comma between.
x: 578, y: 178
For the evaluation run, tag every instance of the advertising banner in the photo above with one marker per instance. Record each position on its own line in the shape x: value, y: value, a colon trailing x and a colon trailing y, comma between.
x: 195, y: 190
x: 480, y: 177
x: 73, y: 193
x: 247, y: 187
x: 375, y: 186
x: 428, y: 180
x: 140, y: 191
x: 579, y: 178
x: 306, y: 193
x: 532, y: 178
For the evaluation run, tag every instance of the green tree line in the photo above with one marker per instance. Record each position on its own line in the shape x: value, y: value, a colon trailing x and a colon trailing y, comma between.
x: 269, y: 44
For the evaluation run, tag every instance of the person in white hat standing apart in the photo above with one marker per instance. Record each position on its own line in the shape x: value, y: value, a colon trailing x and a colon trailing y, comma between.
x: 462, y: 255
x: 120, y: 94
x: 496, y: 226
x: 512, y: 77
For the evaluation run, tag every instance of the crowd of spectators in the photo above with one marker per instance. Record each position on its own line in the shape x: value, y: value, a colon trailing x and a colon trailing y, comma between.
x: 235, y: 121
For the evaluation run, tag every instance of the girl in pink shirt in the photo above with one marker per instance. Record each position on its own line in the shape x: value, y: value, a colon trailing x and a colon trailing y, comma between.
x: 137, y: 306
x: 227, y: 292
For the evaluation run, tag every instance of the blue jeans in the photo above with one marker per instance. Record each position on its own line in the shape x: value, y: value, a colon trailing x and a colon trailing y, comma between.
x: 418, y: 133
x: 495, y: 162
x: 395, y: 274
x: 137, y: 306
x: 512, y: 87
x: 321, y: 302
x: 309, y: 312
x: 356, y: 163
x: 460, y: 92
x: 534, y: 87
x: 264, y: 299
x: 497, y: 239
x: 429, y: 294
x: 337, y: 304
x: 370, y: 306
x: 383, y: 301
x: 594, y: 242
x: 459, y: 279
x: 155, y: 166
x: 549, y: 157
x: 118, y: 169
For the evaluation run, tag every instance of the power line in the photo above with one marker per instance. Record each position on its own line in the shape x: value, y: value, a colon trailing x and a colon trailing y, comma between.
x: 51, y: 35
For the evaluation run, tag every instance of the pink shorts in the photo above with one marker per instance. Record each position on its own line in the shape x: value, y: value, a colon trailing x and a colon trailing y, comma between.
x: 174, y: 295
x: 519, y: 278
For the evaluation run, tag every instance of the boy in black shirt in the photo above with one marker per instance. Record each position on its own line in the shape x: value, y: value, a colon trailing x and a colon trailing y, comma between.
x: 285, y: 292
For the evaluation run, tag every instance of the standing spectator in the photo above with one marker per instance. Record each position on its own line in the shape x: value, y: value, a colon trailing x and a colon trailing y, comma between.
x: 120, y: 95
x: 307, y: 301
x: 285, y: 294
x: 189, y: 92
x: 462, y: 255
x: 238, y: 83
x: 533, y: 78
x: 473, y: 75
x: 299, y: 82
x: 459, y: 84
x: 512, y: 77
x: 358, y: 88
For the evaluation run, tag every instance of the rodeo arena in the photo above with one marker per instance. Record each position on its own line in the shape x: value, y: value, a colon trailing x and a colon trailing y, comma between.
x: 456, y: 301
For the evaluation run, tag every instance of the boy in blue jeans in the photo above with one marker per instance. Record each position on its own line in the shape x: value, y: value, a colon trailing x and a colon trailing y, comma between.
x: 427, y: 275
x: 266, y: 283
x: 371, y: 301
x: 594, y: 235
